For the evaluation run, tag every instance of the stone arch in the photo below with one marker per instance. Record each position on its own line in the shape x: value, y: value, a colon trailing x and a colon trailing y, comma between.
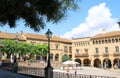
x: 44, y: 58
x: 109, y: 40
x: 70, y: 55
x: 107, y: 63
x: 116, y: 40
x: 99, y: 41
x: 97, y: 63
x: 79, y: 61
x: 106, y: 41
x: 116, y: 62
x: 113, y: 40
x: 93, y: 42
x: 102, y: 41
x: 86, y: 62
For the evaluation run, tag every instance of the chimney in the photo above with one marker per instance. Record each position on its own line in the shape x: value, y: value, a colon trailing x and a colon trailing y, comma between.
x: 119, y: 24
x: 22, y: 32
x: 103, y: 31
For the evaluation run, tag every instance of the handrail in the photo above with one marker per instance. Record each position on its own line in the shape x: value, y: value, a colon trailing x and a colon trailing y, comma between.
x: 37, y: 71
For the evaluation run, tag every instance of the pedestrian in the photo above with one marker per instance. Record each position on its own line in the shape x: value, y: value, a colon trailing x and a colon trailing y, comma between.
x: 67, y: 69
x: 75, y: 71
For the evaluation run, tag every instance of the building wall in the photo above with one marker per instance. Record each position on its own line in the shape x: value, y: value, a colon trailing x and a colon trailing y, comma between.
x: 56, y: 45
x: 111, y: 57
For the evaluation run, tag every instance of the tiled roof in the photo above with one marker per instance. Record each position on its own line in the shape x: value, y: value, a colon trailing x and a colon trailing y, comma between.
x: 35, y: 36
x: 56, y: 38
x: 23, y: 36
x: 107, y: 35
x: 43, y: 37
x: 4, y: 35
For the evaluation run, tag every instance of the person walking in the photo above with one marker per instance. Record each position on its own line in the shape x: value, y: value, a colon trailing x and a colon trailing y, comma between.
x: 75, y: 71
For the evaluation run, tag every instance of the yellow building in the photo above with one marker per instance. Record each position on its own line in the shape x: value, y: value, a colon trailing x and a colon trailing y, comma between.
x: 101, y: 50
x: 58, y: 46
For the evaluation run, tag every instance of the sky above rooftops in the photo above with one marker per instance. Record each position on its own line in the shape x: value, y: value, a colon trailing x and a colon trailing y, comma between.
x: 93, y: 17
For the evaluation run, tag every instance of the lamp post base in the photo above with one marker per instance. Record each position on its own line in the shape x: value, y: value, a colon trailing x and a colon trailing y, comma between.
x: 49, y: 72
x: 15, y: 67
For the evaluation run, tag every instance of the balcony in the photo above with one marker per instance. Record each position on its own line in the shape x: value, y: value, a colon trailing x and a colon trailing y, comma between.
x: 116, y: 54
x: 81, y: 55
x: 105, y: 54
x: 96, y: 55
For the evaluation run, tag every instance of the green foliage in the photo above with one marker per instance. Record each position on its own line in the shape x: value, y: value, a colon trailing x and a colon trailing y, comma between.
x: 10, y: 46
x: 65, y: 57
x: 41, y: 49
x: 34, y: 12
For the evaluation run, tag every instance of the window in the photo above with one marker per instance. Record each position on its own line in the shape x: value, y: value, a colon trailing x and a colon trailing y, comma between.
x: 70, y: 49
x: 86, y: 50
x: 116, y: 40
x: 56, y: 46
x: 93, y: 42
x: 116, y: 48
x: 96, y: 50
x: 77, y: 51
x: 56, y: 57
x: 96, y: 42
x: 99, y: 42
x: 106, y: 49
x: 65, y: 49
x: 105, y: 41
x: 102, y: 41
x: 113, y: 40
x: 109, y: 41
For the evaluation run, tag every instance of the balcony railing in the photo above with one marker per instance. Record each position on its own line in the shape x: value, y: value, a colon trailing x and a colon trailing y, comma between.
x: 96, y: 55
x: 105, y: 54
x: 81, y: 55
x: 116, y: 54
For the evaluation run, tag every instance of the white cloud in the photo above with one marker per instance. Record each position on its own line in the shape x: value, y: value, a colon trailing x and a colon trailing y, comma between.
x: 99, y: 17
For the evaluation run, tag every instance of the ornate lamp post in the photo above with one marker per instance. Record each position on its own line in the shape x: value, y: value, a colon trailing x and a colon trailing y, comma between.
x: 48, y: 68
x: 1, y: 46
x: 15, y: 64
x: 15, y: 57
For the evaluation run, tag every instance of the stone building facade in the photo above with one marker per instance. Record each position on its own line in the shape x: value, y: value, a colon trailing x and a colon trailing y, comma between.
x: 58, y: 46
x: 101, y: 50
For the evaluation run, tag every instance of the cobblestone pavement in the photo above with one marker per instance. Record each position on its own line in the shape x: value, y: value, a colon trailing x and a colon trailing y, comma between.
x: 8, y: 74
x: 95, y: 71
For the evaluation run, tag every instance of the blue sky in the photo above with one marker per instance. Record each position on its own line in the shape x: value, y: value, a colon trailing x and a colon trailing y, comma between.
x: 92, y: 17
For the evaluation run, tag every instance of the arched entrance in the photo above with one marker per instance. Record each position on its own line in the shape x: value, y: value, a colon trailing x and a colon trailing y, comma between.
x: 56, y: 57
x: 79, y: 61
x: 70, y: 56
x: 97, y: 63
x: 44, y: 58
x: 116, y: 62
x: 86, y: 62
x: 107, y: 63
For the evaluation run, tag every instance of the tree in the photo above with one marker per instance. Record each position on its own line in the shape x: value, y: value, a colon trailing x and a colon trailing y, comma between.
x: 8, y: 47
x: 65, y: 57
x: 34, y: 12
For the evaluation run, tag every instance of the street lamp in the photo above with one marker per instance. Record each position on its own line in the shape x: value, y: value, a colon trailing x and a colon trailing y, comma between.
x: 48, y: 68
x: 15, y: 64
x: 0, y: 49
x: 15, y: 57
